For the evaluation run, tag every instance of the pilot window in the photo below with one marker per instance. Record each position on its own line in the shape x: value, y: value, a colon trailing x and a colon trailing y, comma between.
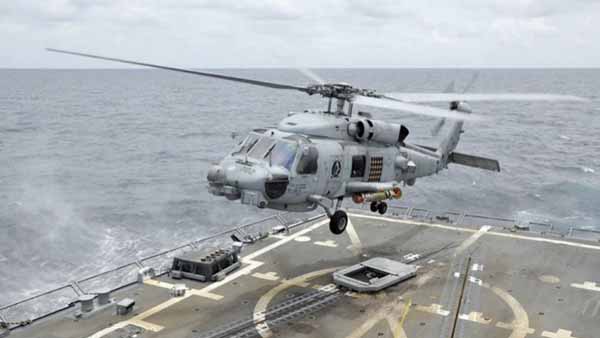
x: 308, y: 163
x: 358, y: 166
x: 282, y: 154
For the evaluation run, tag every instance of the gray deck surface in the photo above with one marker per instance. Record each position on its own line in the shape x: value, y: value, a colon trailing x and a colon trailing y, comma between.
x: 517, y: 285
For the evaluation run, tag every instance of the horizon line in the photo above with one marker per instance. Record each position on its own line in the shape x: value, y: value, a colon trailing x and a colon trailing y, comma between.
x: 321, y: 67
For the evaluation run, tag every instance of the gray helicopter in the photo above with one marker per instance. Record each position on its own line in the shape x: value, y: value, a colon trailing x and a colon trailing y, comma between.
x: 318, y: 158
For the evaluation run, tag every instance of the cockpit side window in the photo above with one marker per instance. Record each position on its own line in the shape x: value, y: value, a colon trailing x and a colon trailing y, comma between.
x: 309, y: 161
x: 282, y: 154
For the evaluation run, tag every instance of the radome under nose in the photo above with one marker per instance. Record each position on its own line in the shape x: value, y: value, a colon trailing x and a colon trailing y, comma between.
x: 216, y: 175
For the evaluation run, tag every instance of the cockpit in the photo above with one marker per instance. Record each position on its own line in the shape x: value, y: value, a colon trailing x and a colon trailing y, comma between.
x: 280, y: 152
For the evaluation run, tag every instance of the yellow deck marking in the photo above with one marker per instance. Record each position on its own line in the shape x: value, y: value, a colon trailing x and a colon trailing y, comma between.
x: 493, y: 233
x: 252, y: 265
x: 261, y: 306
x: 424, y: 278
x: 194, y: 292
x: 158, y: 283
x: 520, y: 325
x: 586, y: 286
x: 205, y: 294
x: 356, y: 244
x: 476, y: 317
x: 549, y: 279
x: 389, y: 312
x: 436, y: 309
x: 329, y: 243
x: 272, y: 276
x: 146, y: 325
x: 399, y: 330
x: 559, y: 334
x: 469, y: 241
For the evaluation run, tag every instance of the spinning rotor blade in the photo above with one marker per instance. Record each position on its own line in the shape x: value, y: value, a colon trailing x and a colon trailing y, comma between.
x: 183, y: 70
x: 311, y: 75
x: 450, y: 97
x: 418, y: 109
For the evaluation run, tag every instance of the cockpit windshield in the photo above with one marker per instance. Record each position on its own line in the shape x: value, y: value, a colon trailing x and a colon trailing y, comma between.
x: 245, y: 145
x: 283, y: 154
x: 259, y: 150
x: 276, y: 151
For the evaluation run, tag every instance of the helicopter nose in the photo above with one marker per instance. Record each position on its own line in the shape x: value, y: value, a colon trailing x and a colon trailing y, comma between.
x: 252, y: 178
x: 216, y: 175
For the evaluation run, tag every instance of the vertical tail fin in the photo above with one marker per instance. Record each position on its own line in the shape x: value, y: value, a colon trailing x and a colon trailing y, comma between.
x: 455, y: 128
x: 450, y: 141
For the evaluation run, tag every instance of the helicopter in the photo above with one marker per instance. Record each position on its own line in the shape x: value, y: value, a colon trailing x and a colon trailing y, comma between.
x: 318, y: 158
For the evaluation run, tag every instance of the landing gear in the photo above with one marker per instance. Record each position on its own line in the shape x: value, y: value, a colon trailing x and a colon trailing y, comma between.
x: 338, y: 218
x: 338, y: 222
x: 374, y: 206
x: 380, y: 207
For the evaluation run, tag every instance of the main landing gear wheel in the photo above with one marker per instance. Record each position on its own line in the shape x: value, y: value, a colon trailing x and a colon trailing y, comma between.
x: 338, y: 222
x: 374, y: 206
x: 382, y: 207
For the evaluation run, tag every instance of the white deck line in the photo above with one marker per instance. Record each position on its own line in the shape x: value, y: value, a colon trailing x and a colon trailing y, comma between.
x: 252, y: 265
x: 489, y: 233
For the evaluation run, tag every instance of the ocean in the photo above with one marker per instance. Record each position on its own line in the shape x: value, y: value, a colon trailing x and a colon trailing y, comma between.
x: 99, y: 167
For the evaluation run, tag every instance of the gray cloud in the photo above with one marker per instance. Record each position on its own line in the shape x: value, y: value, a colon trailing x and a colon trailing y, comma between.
x: 308, y: 33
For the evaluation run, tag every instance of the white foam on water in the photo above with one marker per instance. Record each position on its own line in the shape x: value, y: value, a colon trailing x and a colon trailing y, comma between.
x: 588, y: 170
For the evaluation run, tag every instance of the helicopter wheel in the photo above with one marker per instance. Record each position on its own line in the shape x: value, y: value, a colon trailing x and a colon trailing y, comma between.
x: 382, y: 207
x: 374, y: 206
x: 338, y: 222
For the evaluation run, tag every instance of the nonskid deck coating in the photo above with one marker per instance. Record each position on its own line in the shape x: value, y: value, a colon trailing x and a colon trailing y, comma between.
x: 517, y: 285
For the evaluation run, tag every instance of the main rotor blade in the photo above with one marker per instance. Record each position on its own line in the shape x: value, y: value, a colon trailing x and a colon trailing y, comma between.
x: 449, y: 97
x: 412, y: 108
x: 183, y: 70
x: 311, y: 75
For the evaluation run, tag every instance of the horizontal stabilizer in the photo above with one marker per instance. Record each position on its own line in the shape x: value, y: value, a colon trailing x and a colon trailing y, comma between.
x: 474, y: 161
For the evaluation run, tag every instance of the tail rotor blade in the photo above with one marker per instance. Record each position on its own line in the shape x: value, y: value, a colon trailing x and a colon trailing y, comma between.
x: 471, y: 83
x: 437, y: 127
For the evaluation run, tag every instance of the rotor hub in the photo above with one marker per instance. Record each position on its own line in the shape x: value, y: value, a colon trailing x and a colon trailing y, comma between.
x: 339, y: 90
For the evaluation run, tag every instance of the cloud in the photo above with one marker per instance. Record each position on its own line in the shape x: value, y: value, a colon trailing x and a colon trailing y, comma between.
x: 315, y: 33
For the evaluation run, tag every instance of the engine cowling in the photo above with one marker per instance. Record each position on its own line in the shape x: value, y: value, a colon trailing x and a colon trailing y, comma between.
x: 377, y: 131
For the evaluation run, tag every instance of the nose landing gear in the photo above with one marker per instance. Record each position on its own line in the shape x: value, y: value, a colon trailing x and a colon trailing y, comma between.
x: 338, y: 218
x: 338, y: 222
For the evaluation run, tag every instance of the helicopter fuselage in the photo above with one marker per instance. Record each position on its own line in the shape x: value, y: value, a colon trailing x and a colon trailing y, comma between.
x: 312, y: 157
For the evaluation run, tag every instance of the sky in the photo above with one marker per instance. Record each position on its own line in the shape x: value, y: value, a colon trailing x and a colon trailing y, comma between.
x: 309, y: 33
